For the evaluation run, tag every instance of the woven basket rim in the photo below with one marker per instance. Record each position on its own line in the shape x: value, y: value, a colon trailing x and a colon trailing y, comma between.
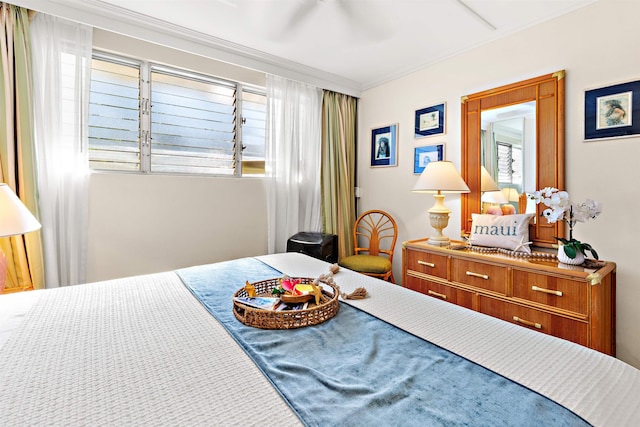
x: 271, y: 319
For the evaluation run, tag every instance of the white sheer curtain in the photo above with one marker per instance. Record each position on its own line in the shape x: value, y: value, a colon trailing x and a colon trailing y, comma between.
x: 61, y: 53
x: 293, y: 159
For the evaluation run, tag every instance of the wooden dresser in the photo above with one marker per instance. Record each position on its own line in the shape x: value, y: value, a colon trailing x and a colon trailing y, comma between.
x: 570, y: 302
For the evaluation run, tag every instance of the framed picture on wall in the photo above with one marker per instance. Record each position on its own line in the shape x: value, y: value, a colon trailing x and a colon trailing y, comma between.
x: 612, y: 111
x: 430, y: 121
x: 384, y: 146
x: 422, y: 156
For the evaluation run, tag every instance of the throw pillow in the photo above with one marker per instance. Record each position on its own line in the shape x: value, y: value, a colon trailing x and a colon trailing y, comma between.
x: 504, y: 231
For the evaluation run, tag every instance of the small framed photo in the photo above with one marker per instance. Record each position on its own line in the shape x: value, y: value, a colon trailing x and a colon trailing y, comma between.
x: 424, y: 155
x: 612, y: 111
x: 430, y: 121
x: 384, y: 142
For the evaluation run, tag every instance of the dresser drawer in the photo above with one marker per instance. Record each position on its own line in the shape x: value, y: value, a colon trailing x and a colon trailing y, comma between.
x: 539, y: 293
x: 555, y: 292
x: 559, y: 326
x: 488, y: 277
x: 441, y: 291
x: 427, y: 263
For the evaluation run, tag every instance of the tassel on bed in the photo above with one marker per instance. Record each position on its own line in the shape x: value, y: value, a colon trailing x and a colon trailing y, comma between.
x: 358, y: 293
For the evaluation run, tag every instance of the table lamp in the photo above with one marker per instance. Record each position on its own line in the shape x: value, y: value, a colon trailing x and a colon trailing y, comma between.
x: 15, y: 219
x: 511, y: 194
x: 440, y: 177
x: 486, y: 182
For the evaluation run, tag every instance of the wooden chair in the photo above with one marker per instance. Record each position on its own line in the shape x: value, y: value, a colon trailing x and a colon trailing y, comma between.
x: 374, y: 235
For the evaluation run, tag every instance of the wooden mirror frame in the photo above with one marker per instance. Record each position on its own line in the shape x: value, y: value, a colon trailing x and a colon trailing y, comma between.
x: 548, y: 92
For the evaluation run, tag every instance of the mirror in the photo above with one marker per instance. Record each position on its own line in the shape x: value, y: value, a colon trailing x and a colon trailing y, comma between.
x: 508, y: 146
x: 517, y: 133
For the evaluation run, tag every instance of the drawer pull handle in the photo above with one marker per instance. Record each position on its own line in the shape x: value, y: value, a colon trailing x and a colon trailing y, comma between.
x: 436, y: 294
x: 482, y: 276
x: 526, y: 322
x: 428, y: 264
x: 546, y: 291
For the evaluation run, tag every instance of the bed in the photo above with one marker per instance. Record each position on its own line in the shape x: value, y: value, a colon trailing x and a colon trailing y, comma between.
x: 161, y: 349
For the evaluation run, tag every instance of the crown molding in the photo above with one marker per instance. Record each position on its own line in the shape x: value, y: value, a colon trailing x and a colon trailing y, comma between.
x: 116, y: 19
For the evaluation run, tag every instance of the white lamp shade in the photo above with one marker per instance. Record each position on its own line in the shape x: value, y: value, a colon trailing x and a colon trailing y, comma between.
x: 486, y: 182
x: 440, y: 177
x: 511, y: 194
x: 494, y: 197
x: 15, y: 218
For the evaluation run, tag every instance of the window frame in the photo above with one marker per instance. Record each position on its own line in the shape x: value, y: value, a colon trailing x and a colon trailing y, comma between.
x: 145, y: 109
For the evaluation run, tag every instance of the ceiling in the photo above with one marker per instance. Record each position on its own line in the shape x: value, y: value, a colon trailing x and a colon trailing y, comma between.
x: 363, y: 43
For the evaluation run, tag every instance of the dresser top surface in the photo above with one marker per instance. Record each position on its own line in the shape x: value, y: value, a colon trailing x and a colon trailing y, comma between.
x: 460, y: 249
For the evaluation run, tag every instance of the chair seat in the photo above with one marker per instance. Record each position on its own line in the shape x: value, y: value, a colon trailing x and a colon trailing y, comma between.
x: 366, y: 264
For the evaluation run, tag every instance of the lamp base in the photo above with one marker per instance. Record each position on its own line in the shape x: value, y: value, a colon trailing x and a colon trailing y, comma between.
x: 439, y: 241
x: 439, y: 219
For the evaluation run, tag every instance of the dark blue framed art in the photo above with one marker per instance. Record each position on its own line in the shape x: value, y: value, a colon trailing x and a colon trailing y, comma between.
x: 612, y: 111
x: 384, y: 141
x: 424, y: 155
x: 430, y: 121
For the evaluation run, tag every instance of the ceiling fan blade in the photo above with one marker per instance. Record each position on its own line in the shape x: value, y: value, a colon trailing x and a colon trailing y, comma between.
x: 365, y: 22
x: 301, y: 13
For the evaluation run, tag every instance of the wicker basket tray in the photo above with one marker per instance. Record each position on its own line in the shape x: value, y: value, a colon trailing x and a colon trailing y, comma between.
x: 287, y: 319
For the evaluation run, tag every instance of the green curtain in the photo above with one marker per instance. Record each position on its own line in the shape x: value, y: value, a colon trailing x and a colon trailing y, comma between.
x: 338, y: 168
x: 17, y: 152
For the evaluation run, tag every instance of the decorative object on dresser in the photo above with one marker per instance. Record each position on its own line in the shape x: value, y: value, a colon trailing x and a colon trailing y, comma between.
x: 497, y: 231
x: 511, y: 194
x: 15, y: 219
x: 561, y: 208
x: 575, y: 303
x: 440, y: 177
x: 491, y: 202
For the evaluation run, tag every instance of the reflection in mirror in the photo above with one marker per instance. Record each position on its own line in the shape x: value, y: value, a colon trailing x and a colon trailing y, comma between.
x: 508, y: 143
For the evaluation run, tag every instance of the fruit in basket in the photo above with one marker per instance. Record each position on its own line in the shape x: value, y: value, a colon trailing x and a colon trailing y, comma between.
x: 250, y: 289
x: 289, y: 284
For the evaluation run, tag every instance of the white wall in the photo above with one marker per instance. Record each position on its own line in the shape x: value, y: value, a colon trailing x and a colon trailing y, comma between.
x: 150, y: 223
x: 597, y: 46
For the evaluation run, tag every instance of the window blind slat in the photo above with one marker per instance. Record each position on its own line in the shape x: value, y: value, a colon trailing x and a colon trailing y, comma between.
x: 190, y: 120
x: 114, y: 121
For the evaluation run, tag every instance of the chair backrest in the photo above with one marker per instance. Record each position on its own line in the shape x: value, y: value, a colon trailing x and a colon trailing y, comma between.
x: 375, y: 232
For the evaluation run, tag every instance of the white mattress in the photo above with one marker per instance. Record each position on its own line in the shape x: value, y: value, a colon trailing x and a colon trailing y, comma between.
x: 161, y: 337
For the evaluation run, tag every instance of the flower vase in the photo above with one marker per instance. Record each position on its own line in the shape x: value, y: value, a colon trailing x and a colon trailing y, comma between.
x: 564, y: 258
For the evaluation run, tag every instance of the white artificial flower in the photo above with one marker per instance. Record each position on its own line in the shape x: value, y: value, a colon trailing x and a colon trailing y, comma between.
x: 553, y: 215
x: 561, y: 207
x: 580, y: 213
x: 594, y: 208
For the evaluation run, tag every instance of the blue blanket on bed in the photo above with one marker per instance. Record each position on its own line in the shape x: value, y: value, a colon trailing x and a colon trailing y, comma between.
x: 357, y: 370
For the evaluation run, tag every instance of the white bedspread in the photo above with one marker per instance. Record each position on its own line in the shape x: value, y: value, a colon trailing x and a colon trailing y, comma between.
x: 161, y: 359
